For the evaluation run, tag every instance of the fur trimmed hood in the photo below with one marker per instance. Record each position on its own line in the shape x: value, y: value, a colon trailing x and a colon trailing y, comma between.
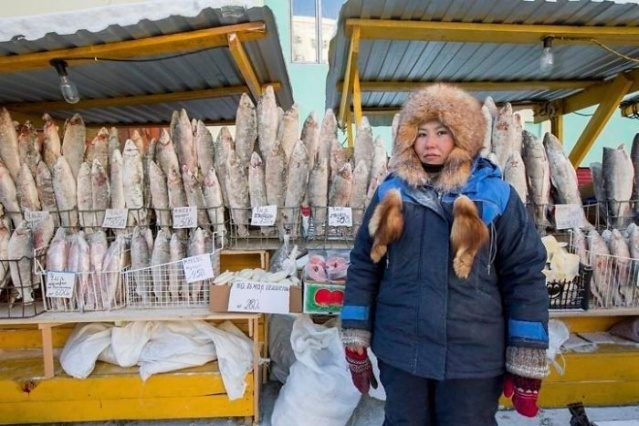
x: 456, y: 109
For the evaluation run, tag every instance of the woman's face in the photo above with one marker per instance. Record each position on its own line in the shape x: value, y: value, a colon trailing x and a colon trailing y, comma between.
x: 434, y: 142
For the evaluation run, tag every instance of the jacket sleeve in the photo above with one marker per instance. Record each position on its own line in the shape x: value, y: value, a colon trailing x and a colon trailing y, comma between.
x: 362, y: 279
x: 521, y: 257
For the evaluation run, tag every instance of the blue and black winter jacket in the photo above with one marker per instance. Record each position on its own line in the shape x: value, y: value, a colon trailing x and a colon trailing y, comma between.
x: 423, y: 318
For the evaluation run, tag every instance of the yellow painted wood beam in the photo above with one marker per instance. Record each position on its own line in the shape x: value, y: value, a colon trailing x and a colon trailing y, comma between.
x: 349, y: 129
x: 146, y: 47
x: 351, y: 70
x: 595, y: 93
x: 244, y: 65
x: 160, y: 124
x: 41, y: 107
x: 557, y: 123
x: 409, y: 86
x: 606, y: 108
x: 384, y: 29
x: 357, y: 100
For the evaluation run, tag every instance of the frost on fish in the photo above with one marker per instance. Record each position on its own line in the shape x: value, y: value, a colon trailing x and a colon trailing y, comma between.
x: 245, y: 130
x: 239, y: 202
x: 297, y: 182
x: 74, y: 143
x: 64, y: 187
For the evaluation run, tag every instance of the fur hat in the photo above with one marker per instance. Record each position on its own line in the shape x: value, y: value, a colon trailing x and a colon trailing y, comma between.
x: 460, y: 113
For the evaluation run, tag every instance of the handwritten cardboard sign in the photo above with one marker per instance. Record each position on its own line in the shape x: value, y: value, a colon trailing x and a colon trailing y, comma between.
x: 256, y: 296
x: 185, y: 217
x: 340, y: 216
x: 60, y: 284
x: 568, y: 216
x: 264, y: 216
x: 115, y: 218
x: 197, y: 268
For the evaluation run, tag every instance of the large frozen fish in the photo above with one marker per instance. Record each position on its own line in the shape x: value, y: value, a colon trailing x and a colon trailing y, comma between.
x: 52, y: 147
x: 194, y: 195
x: 634, y: 155
x: 537, y: 175
x: 74, y: 143
x: 177, y: 252
x: 197, y: 246
x: 267, y: 121
x: 359, y: 192
x: 9, y: 144
x: 338, y: 158
x: 395, y: 127
x: 140, y: 142
x: 245, y: 130
x: 114, y: 142
x: 133, y: 181
x: 205, y: 152
x: 364, y: 147
x: 599, y: 190
x: 56, y: 261
x: 177, y: 196
x: 140, y: 262
x: 182, y: 136
x: 98, y: 247
x: 238, y: 193
x: 618, y: 178
x: 341, y: 187
x: 27, y: 192
x: 328, y: 134
x: 9, y: 195
x: 85, y: 197
x: 80, y: 262
x: 504, y: 130
x: 310, y: 136
x: 379, y: 168
x: 318, y: 193
x: 46, y: 195
x: 515, y: 174
x: 100, y: 147
x: 290, y: 131
x: 223, y: 147
x: 256, y: 182
x: 297, y: 182
x: 29, y: 147
x: 5, y: 235
x: 580, y: 246
x: 64, y: 187
x: 160, y: 257
x: 214, y: 203
x: 115, y: 260
x: 159, y: 195
x: 100, y: 191
x: 487, y: 144
x: 42, y: 233
x: 601, y: 269
x: 20, y: 249
x: 117, y: 181
x: 275, y: 177
x: 165, y: 155
x: 518, y: 129
x: 623, y: 288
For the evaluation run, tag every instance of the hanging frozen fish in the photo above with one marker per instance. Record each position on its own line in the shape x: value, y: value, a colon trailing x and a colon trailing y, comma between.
x: 64, y: 187
x: 85, y: 197
x: 42, y: 233
x: 599, y: 190
x: 515, y: 174
x: 177, y: 252
x: 517, y: 135
x: 139, y: 142
x: 27, y: 193
x: 29, y: 147
x: 633, y: 240
x: 117, y: 181
x: 379, y: 168
x: 214, y: 203
x: 290, y: 131
x: 599, y: 260
x: 5, y: 235
x: 297, y: 183
x: 267, y: 121
x: 364, y: 147
x: 100, y: 191
x: 52, y: 147
x: 358, y: 193
x: 149, y: 157
x: 623, y: 289
x: 194, y: 196
x: 80, y: 262
x: 256, y: 183
x: 328, y: 133
x: 245, y: 130
x: 503, y: 134
x: 46, y: 195
x: 20, y: 250
x: 395, y: 127
x: 197, y: 246
x: 205, y: 151
x: 133, y: 181
x: 9, y: 196
x: 341, y: 187
x: 580, y: 246
x: 318, y: 194
x: 223, y: 146
x: 9, y: 144
x: 159, y: 195
x: 175, y: 188
x: 100, y: 147
x: 618, y: 178
x: 98, y: 247
x: 56, y: 261
x: 140, y: 262
x: 338, y: 158
x: 74, y: 143
x: 165, y: 155
x: 310, y: 136
x: 237, y: 186
x: 537, y: 175
x: 487, y: 145
x: 182, y: 136
x: 114, y: 142
x: 634, y: 155
x: 160, y: 257
x: 115, y: 261
x: 275, y: 177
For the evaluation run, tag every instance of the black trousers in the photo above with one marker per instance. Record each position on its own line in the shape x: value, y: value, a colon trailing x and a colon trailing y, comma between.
x: 416, y: 401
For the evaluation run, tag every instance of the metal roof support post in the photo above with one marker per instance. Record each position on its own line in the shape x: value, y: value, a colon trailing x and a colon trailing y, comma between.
x: 618, y: 89
x: 244, y: 65
x: 349, y: 74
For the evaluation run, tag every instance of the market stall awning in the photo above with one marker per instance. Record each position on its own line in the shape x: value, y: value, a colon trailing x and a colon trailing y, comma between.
x: 137, y: 73
x: 383, y: 49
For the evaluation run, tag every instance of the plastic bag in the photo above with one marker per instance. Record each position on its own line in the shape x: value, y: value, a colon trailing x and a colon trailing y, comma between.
x: 81, y: 351
x: 558, y: 333
x: 319, y: 390
x: 280, y: 350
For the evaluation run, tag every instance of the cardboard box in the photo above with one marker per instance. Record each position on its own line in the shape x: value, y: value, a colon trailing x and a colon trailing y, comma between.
x: 324, y: 299
x: 219, y: 298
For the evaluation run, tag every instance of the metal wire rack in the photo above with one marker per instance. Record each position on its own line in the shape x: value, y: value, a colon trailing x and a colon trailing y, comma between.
x: 615, y: 281
x: 20, y: 288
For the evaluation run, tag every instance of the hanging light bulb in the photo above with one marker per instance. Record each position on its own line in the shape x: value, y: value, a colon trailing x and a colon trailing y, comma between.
x: 67, y: 87
x: 547, y: 59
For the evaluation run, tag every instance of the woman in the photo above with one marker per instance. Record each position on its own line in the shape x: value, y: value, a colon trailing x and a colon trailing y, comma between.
x: 445, y: 281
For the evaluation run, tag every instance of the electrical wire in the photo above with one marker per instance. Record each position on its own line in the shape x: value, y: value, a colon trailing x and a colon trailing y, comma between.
x: 161, y: 58
x: 613, y: 51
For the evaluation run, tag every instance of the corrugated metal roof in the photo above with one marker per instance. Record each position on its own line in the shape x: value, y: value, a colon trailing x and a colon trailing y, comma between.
x: 398, y: 60
x: 213, y: 68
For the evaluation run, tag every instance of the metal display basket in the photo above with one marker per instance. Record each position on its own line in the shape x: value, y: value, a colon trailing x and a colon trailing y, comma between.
x: 570, y: 294
x: 93, y: 291
x: 20, y: 288
x: 615, y: 281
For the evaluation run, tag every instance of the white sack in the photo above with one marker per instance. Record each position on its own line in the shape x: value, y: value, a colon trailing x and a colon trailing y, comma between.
x: 81, y: 351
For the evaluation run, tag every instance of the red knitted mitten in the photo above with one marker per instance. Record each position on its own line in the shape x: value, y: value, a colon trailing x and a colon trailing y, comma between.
x: 524, y: 393
x: 361, y: 370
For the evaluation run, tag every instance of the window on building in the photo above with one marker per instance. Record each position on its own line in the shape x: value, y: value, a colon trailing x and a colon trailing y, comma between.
x: 313, y: 24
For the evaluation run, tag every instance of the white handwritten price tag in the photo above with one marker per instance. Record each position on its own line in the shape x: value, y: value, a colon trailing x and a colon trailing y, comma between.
x: 60, y: 284
x: 197, y: 268
x: 255, y: 296
x: 340, y: 216
x: 35, y: 216
x: 264, y: 216
x: 185, y: 217
x: 568, y: 216
x: 115, y: 218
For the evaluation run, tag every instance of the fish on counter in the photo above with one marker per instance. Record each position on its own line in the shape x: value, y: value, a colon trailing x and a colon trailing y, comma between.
x: 116, y: 259
x: 140, y: 273
x: 98, y: 247
x: 56, y: 261
x: 341, y: 187
x: 194, y: 196
x: 223, y: 147
x: 515, y: 175
x: 27, y: 193
x: 358, y: 193
x: 159, y: 195
x: 310, y: 136
x: 79, y: 261
x: 504, y: 130
x: 196, y: 246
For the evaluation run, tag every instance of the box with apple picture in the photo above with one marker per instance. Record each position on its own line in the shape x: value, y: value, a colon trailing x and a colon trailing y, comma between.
x: 323, y: 279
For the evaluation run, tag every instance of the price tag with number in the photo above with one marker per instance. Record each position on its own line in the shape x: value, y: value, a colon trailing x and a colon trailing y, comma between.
x: 255, y: 296
x: 264, y: 216
x: 35, y: 216
x: 115, y: 218
x: 60, y: 284
x: 340, y: 216
x: 568, y: 216
x: 197, y: 268
x: 185, y: 217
